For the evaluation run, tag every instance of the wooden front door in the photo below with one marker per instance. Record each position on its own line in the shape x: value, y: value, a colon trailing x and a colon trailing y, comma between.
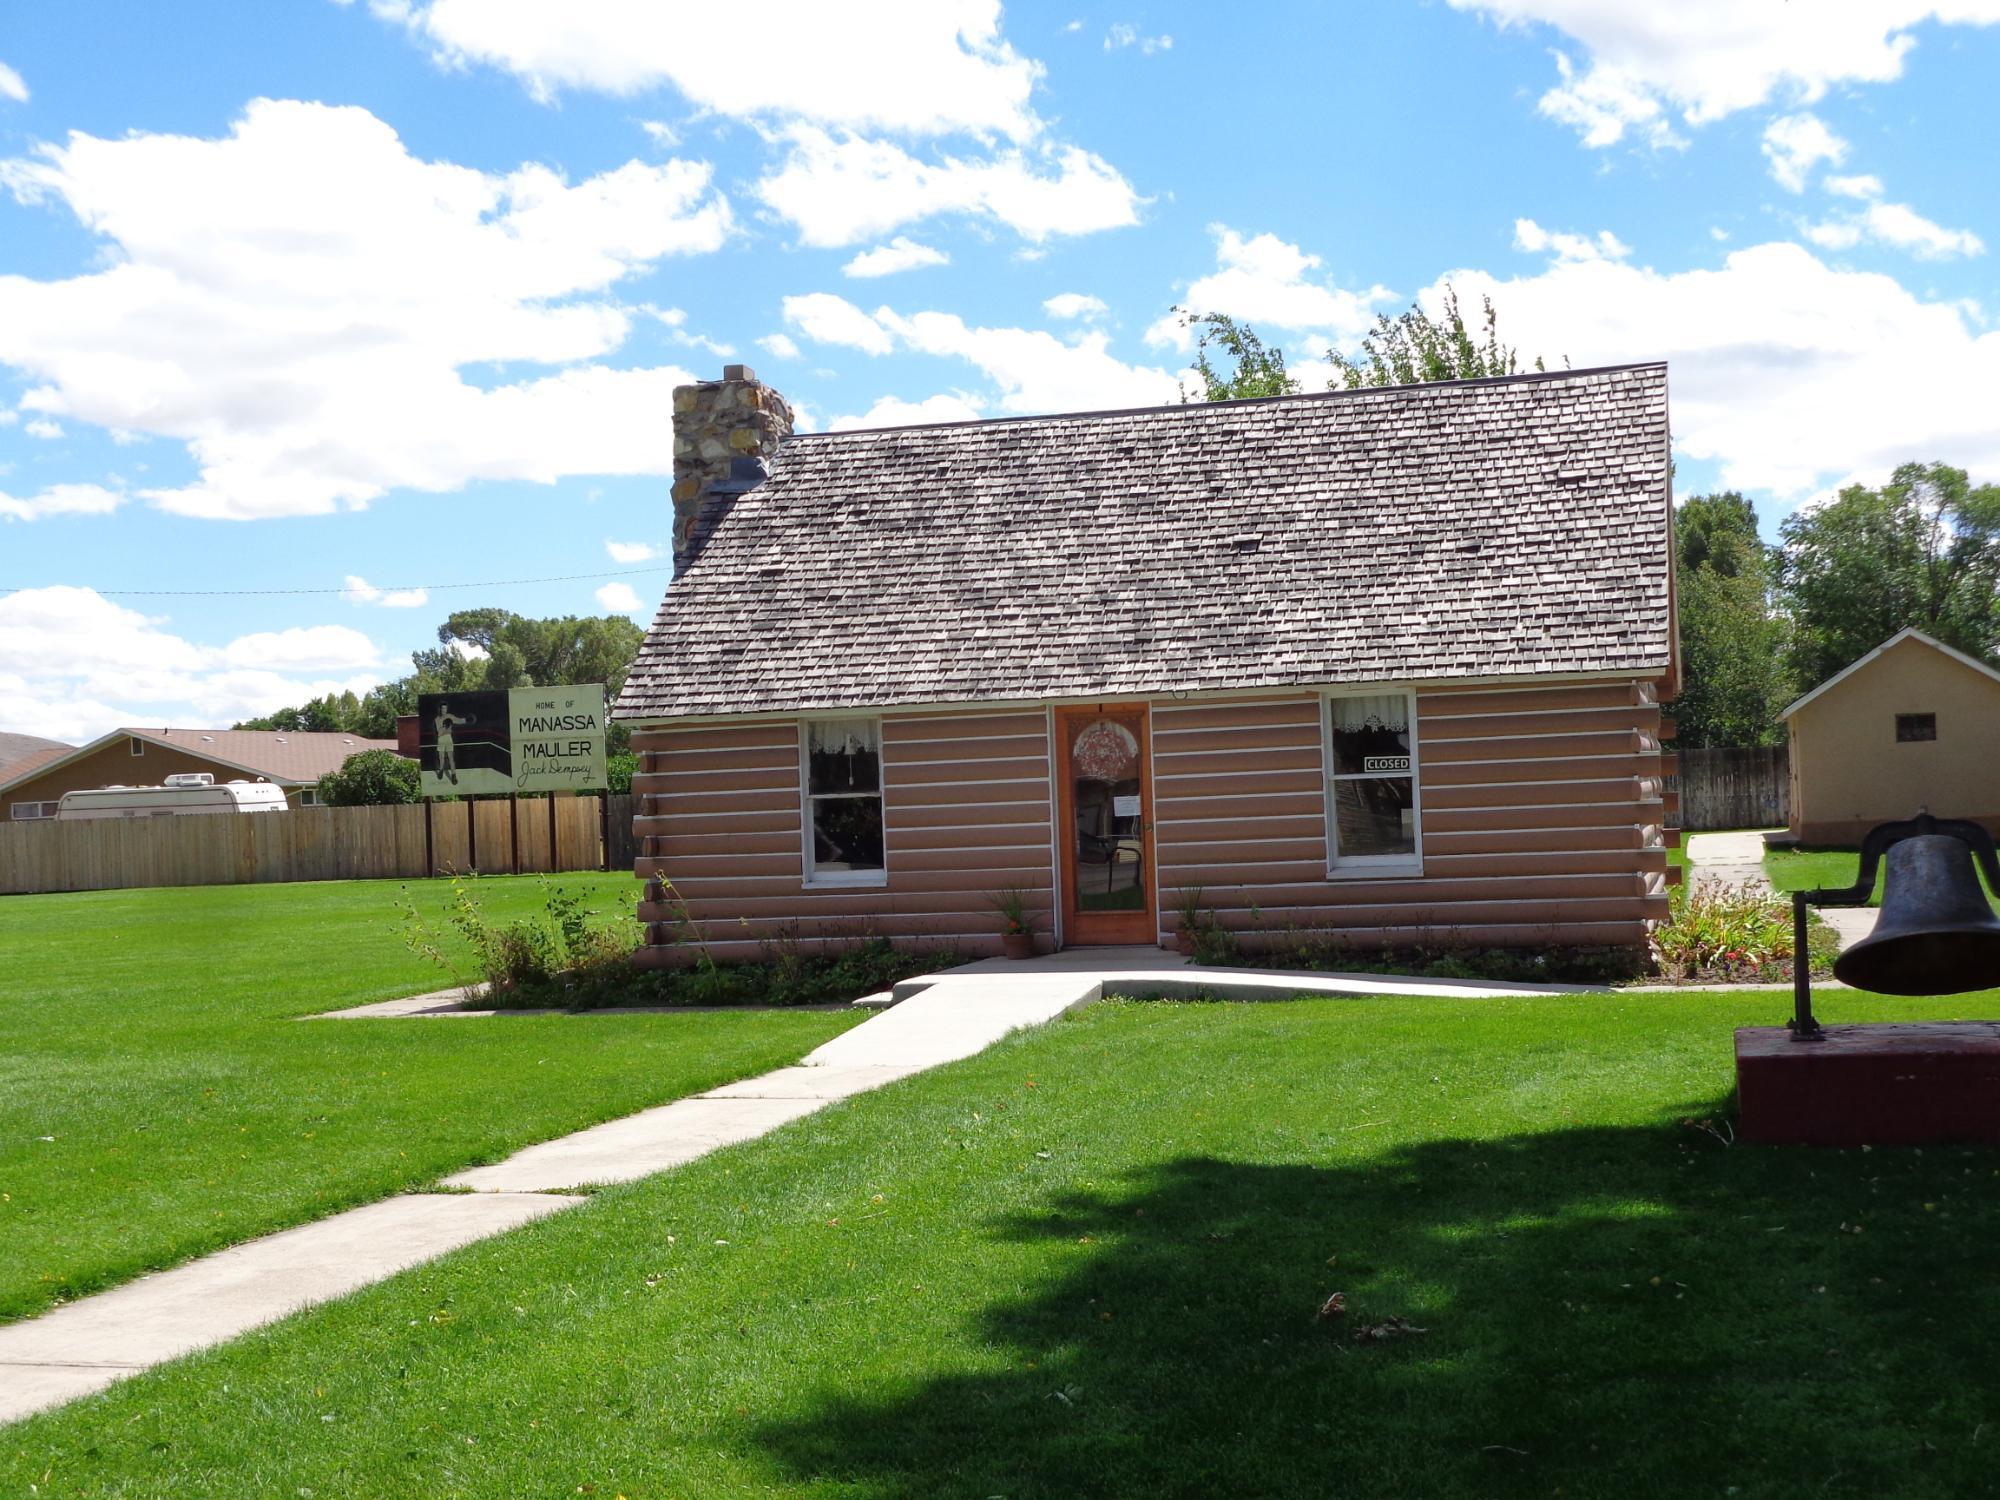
x: 1104, y: 811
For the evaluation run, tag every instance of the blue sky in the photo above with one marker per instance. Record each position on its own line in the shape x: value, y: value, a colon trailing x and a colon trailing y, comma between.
x: 358, y: 297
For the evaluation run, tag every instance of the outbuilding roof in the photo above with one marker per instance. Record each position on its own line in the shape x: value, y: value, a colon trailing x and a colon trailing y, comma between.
x: 1509, y: 527
x: 1907, y: 633
x: 283, y: 756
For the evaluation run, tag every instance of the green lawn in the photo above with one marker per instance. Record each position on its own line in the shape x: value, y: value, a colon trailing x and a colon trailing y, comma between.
x: 1822, y: 869
x: 158, y: 1101
x: 1088, y: 1263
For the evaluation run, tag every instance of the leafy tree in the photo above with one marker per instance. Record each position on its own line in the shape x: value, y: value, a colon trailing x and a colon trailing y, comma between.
x: 1922, y: 550
x: 1405, y: 350
x: 619, y: 768
x: 1416, y: 347
x: 1733, y: 681
x: 1259, y: 369
x: 370, y: 778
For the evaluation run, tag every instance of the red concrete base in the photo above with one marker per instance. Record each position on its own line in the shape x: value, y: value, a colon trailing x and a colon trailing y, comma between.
x: 1888, y: 1084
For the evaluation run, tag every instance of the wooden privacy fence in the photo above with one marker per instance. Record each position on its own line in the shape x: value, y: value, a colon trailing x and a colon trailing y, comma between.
x: 1735, y: 788
x: 549, y: 834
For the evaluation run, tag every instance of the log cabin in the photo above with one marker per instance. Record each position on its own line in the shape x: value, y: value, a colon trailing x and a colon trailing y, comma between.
x: 1383, y: 665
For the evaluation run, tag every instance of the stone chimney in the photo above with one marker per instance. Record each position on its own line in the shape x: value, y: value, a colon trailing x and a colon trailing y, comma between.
x: 726, y: 435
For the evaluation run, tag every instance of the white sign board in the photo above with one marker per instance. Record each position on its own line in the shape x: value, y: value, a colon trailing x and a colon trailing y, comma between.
x: 1373, y: 763
x: 1125, y: 807
x: 542, y: 739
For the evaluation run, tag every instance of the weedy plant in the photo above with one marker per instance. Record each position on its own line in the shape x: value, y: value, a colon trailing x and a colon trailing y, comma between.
x: 567, y: 954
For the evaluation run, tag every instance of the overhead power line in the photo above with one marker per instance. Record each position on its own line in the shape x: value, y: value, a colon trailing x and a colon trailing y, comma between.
x: 373, y: 589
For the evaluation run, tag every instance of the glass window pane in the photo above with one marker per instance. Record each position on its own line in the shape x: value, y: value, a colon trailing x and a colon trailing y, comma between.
x: 1374, y: 815
x: 847, y: 834
x: 844, y: 755
x: 1371, y: 734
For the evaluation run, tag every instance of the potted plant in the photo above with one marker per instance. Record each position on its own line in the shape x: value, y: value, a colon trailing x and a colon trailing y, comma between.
x: 1017, y: 922
x: 1189, y: 907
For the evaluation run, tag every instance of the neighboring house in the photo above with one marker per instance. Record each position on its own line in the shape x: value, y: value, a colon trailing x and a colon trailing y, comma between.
x: 146, y: 757
x: 1385, y: 664
x: 1913, y: 724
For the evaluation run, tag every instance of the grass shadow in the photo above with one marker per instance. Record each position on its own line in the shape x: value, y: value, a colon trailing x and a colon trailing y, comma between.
x: 1635, y: 1311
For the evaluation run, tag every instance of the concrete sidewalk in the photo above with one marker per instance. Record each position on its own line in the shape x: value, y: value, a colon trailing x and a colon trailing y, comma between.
x: 1729, y: 858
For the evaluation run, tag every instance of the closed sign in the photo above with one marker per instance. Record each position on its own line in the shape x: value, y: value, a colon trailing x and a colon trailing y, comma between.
x: 1371, y: 763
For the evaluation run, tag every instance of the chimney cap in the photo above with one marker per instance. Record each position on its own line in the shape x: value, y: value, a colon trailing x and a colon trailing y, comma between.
x: 738, y: 372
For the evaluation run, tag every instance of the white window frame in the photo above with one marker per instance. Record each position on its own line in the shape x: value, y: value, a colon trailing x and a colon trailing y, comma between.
x: 43, y: 811
x: 1369, y: 866
x: 134, y: 745
x: 309, y: 796
x: 822, y: 880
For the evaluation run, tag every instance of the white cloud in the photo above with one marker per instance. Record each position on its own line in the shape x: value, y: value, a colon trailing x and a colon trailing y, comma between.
x: 631, y: 552
x: 779, y: 346
x: 1123, y: 34
x: 73, y: 665
x: 916, y: 66
x: 841, y: 189
x: 1777, y: 360
x: 1036, y: 371
x: 890, y: 411
x: 619, y: 599
x: 1267, y: 282
x: 1706, y: 59
x: 827, y: 319
x: 12, y: 85
x: 361, y: 591
x: 1902, y: 226
x: 304, y: 648
x: 61, y: 500
x: 296, y: 303
x: 43, y: 428
x: 1898, y: 226
x: 1795, y: 144
x: 900, y: 254
x: 1531, y: 237
x: 1862, y: 185
x: 1072, y: 306
x: 1835, y: 234
x: 661, y: 134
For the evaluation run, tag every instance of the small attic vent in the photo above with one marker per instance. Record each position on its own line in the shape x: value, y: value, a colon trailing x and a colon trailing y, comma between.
x: 1247, y: 541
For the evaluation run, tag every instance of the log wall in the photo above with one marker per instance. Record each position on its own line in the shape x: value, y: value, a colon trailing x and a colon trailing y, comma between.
x: 965, y: 812
x: 1543, y: 814
x: 1540, y: 812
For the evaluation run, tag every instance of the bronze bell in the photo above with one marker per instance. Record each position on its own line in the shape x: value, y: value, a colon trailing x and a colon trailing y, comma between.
x: 1937, y: 934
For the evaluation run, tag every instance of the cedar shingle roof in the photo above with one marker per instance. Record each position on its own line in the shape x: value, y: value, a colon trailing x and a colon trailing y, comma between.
x: 1450, y: 530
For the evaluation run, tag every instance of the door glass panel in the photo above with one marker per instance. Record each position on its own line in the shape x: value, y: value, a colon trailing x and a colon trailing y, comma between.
x: 1107, y: 800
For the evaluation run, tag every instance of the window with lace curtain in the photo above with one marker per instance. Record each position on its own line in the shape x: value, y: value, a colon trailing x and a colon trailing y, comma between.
x: 842, y: 775
x: 1372, y: 784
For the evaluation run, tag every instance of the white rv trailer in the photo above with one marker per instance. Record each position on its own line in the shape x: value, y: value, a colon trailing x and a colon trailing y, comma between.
x: 190, y: 792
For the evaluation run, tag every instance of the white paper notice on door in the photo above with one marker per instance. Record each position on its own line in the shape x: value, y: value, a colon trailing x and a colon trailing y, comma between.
x: 1125, y: 807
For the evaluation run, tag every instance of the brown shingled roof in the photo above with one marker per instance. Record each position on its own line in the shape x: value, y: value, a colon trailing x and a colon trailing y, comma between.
x: 1462, y: 529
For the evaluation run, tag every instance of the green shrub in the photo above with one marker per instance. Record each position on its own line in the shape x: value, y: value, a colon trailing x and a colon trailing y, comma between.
x: 1717, y: 931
